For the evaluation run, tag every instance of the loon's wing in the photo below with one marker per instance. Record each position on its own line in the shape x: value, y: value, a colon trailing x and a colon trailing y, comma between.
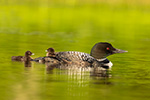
x: 75, y: 56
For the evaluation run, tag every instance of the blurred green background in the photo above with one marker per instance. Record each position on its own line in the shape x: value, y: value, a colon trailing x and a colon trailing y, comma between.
x: 74, y: 25
x: 74, y: 21
x: 80, y: 21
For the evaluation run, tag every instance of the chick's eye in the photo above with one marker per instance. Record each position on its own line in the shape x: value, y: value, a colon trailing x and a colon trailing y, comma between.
x: 107, y: 48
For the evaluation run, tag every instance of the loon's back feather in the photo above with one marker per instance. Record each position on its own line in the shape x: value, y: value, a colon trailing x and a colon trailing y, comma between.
x: 75, y: 55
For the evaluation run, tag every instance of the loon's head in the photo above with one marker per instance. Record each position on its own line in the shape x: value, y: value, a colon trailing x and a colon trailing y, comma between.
x: 103, y: 49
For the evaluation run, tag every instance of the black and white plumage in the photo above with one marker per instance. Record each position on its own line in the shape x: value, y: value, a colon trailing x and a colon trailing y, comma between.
x: 75, y: 55
x: 97, y: 57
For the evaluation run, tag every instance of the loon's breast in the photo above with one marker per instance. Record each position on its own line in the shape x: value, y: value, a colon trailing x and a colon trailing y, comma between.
x: 105, y: 63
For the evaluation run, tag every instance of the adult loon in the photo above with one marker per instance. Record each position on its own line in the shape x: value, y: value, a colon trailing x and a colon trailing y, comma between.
x: 97, y: 57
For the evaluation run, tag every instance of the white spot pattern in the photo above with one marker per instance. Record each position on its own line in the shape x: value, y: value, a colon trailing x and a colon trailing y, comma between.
x: 80, y: 56
x: 74, y: 55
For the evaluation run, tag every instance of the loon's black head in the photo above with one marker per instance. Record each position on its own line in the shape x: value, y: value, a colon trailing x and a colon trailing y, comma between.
x: 103, y: 49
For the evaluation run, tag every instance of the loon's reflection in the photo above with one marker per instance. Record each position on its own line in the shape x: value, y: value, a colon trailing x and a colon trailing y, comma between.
x: 77, y: 76
x: 72, y: 68
x: 27, y: 64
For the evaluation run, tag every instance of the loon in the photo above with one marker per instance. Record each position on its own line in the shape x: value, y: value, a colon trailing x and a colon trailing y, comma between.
x: 23, y: 58
x: 97, y: 57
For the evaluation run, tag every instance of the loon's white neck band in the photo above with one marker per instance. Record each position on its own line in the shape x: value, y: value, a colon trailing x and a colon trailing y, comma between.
x: 102, y: 59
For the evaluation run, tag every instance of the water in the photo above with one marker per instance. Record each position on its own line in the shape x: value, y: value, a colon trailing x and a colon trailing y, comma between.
x: 74, y: 26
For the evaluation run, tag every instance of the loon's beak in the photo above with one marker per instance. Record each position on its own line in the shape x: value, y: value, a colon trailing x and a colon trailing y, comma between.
x: 45, y: 50
x: 32, y: 53
x: 119, y: 51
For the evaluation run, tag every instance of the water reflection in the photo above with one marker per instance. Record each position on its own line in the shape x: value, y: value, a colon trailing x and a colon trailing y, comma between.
x: 27, y: 64
x: 49, y: 67
x: 75, y: 76
x: 72, y: 69
x: 76, y: 79
x: 72, y: 79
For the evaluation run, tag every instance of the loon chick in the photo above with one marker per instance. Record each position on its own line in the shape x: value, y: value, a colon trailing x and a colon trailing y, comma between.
x: 23, y: 58
x: 49, y: 58
x: 50, y: 52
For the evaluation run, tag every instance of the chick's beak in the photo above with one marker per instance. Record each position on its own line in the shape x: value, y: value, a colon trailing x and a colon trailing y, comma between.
x: 32, y: 53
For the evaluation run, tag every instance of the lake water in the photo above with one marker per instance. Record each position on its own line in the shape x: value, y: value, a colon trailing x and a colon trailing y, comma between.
x: 75, y: 27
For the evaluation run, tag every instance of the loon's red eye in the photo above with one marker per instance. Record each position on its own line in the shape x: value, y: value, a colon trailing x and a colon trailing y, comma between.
x: 107, y: 48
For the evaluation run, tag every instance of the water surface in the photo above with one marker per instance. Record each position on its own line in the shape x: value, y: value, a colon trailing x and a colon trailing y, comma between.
x: 74, y: 27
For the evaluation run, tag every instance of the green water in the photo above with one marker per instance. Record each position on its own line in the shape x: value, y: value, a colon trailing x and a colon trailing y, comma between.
x: 74, y: 26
